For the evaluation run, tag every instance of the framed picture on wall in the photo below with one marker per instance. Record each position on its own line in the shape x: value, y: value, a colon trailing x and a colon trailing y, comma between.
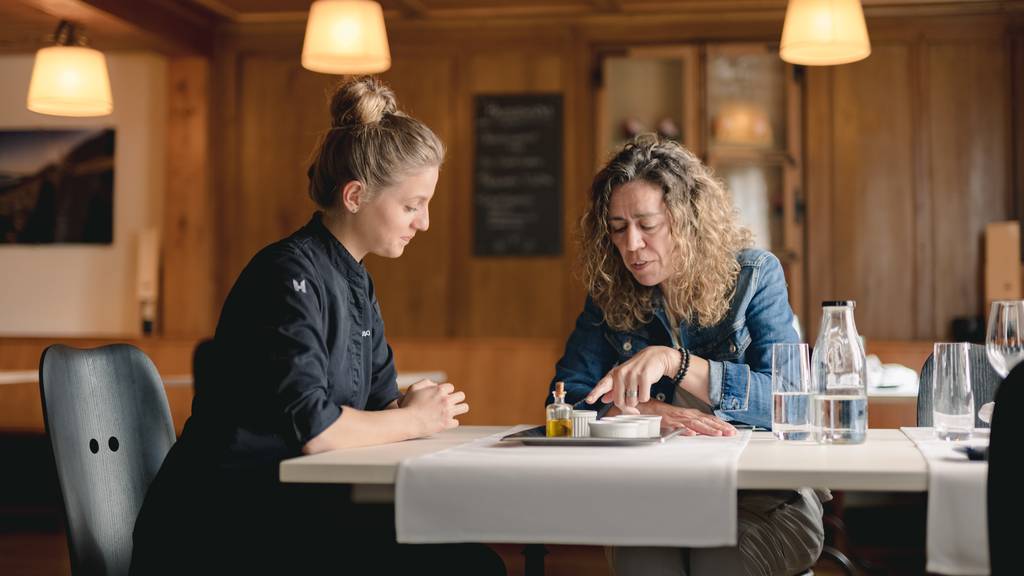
x: 57, y: 186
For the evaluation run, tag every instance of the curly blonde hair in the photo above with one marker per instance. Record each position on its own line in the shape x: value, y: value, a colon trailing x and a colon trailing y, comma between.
x: 702, y: 223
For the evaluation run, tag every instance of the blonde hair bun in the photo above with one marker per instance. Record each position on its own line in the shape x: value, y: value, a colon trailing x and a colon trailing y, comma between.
x: 370, y: 140
x: 361, y: 101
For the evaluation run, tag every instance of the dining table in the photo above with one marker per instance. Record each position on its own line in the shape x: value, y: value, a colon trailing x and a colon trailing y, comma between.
x: 888, y: 461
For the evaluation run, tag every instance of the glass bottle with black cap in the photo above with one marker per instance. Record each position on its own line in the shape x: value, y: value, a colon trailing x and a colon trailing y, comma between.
x: 839, y: 378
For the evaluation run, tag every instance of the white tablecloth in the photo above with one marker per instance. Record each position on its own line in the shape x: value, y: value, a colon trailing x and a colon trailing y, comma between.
x: 679, y: 493
x: 957, y: 538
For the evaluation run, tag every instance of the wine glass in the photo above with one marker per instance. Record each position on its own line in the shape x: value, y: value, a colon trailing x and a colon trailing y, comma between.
x: 1004, y: 343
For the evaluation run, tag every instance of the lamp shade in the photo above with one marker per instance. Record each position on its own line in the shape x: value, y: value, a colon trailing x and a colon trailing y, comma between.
x: 346, y: 37
x: 824, y: 32
x: 70, y: 81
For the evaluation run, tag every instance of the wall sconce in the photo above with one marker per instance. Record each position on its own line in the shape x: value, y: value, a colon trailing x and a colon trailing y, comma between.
x: 70, y: 79
x: 346, y: 37
x: 824, y: 32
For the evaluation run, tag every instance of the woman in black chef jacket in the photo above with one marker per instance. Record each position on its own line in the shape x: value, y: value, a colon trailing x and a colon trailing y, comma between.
x: 299, y: 365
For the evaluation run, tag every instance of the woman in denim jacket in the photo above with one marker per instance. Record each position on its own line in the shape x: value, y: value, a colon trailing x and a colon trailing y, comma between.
x: 679, y: 321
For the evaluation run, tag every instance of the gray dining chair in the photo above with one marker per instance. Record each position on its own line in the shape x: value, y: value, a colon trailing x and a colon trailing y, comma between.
x: 110, y: 427
x: 984, y: 382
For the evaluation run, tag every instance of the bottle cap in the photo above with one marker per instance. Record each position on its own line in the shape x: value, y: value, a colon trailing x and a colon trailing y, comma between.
x: 834, y: 303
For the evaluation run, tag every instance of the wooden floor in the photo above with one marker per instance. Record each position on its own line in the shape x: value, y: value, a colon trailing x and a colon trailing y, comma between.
x: 34, y: 554
x: 45, y: 553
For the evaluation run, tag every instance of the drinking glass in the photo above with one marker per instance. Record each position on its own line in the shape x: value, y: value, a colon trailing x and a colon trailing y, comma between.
x: 791, y: 392
x: 952, y: 398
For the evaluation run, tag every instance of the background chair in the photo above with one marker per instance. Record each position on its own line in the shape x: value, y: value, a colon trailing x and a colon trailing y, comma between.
x: 110, y: 427
x: 984, y: 381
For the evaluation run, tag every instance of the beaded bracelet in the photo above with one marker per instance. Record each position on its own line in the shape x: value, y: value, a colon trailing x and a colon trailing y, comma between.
x: 684, y: 365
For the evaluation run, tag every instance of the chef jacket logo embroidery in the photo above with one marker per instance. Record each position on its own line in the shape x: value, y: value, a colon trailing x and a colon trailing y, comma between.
x: 299, y: 286
x: 366, y: 333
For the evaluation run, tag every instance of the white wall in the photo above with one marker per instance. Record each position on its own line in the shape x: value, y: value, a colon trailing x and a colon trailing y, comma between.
x: 61, y: 289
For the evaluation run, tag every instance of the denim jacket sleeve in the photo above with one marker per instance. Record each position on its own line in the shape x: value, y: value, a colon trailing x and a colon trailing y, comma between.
x: 742, y: 390
x: 588, y: 357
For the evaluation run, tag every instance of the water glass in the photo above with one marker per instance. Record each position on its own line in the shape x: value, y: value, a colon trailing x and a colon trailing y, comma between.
x: 791, y: 392
x: 952, y: 399
x: 1004, y: 342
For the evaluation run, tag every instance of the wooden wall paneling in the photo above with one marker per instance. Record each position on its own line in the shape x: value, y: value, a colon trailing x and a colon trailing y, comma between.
x: 491, y: 55
x: 414, y: 290
x: 1017, y: 74
x: 924, y: 225
x: 581, y: 145
x: 970, y: 167
x: 21, y: 409
x: 224, y: 157
x: 681, y: 26
x: 886, y: 412
x: 794, y: 261
x: 818, y: 182
x: 505, y: 379
x: 937, y: 27
x: 872, y: 203
x: 21, y: 406
x: 172, y: 356
x: 910, y: 353
x: 519, y: 297
x: 188, y: 282
x: 597, y: 125
x: 283, y: 109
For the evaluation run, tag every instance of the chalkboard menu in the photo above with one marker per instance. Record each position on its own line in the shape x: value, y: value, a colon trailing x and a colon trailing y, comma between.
x: 517, y: 194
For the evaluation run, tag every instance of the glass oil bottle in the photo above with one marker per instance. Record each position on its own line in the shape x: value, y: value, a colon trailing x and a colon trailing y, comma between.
x: 559, y: 414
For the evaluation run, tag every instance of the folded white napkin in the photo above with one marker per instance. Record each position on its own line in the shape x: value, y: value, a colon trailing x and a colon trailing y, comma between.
x: 894, y: 376
x: 679, y: 493
x: 985, y: 412
x: 957, y: 537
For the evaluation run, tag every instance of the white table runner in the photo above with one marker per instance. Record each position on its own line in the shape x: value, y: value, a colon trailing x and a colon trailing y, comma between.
x: 679, y: 493
x: 957, y: 537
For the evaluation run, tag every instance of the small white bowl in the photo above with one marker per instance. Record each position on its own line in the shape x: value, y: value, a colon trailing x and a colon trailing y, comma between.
x: 652, y: 422
x: 613, y: 428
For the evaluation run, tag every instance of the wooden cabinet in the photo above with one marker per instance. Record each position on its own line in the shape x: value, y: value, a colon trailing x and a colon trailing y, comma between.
x: 737, y: 106
x: 648, y: 89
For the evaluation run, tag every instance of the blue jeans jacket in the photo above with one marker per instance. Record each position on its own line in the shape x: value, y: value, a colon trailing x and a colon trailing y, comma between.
x: 739, y: 348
